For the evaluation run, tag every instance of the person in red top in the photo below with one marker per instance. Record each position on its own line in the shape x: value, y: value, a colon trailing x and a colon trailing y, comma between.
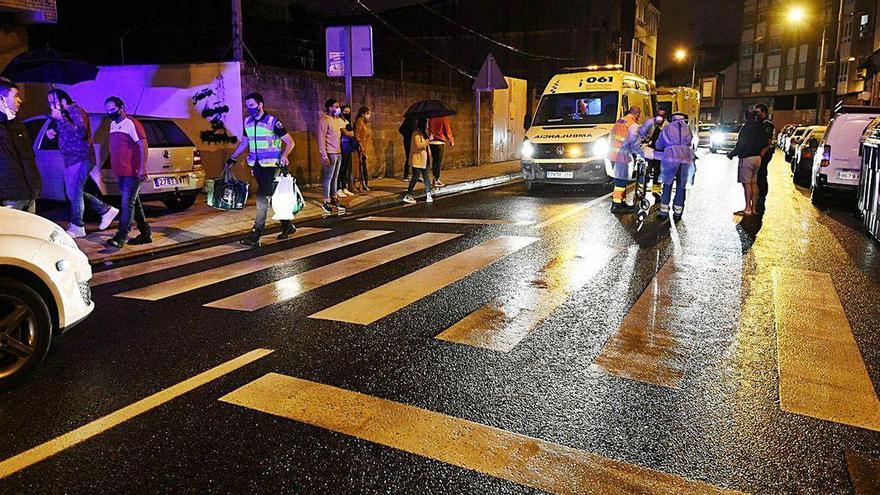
x: 440, y: 131
x: 128, y: 158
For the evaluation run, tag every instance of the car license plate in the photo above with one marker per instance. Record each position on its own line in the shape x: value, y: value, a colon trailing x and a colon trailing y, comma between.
x: 848, y: 174
x: 560, y: 175
x: 168, y: 182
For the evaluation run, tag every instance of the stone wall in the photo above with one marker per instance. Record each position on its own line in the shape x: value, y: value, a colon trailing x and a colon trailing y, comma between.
x: 297, y: 98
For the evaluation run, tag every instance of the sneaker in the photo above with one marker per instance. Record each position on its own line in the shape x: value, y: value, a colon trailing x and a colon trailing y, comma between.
x: 76, y: 231
x: 405, y: 180
x: 252, y: 240
x: 327, y: 208
x: 437, y: 183
x: 622, y: 208
x: 117, y: 242
x: 663, y: 215
x: 429, y: 198
x: 366, y: 189
x: 341, y: 194
x: 141, y: 239
x: 348, y: 192
x: 676, y: 217
x: 337, y: 208
x: 286, y: 230
x: 107, y: 218
x: 409, y: 199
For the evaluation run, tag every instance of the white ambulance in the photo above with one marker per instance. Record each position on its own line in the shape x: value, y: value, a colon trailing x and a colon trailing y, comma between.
x: 567, y: 142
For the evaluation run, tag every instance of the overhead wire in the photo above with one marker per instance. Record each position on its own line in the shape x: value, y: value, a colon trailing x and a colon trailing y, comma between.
x: 415, y: 44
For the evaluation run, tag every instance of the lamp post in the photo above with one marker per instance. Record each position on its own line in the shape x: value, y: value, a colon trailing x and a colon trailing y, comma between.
x: 795, y: 16
x: 681, y: 55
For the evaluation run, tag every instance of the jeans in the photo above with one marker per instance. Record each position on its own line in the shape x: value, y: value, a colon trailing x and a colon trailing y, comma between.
x: 423, y: 172
x: 75, y: 177
x: 28, y: 205
x: 265, y: 188
x: 132, y: 208
x: 330, y: 174
x: 437, y: 159
x: 763, y: 186
x: 681, y: 179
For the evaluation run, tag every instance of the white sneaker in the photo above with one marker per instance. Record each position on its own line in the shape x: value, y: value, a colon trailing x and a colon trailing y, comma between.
x: 409, y: 199
x: 341, y: 194
x: 347, y: 192
x: 429, y: 198
x: 107, y: 218
x: 76, y: 231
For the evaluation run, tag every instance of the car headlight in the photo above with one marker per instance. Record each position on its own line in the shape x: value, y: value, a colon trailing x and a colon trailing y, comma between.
x: 528, y: 149
x: 717, y: 137
x: 61, y: 238
x: 600, y: 148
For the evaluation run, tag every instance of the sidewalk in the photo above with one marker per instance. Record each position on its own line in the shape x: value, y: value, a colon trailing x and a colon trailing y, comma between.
x: 202, y: 223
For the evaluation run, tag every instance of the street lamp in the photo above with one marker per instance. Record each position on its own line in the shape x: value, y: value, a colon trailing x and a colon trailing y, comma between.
x: 681, y: 55
x: 795, y: 16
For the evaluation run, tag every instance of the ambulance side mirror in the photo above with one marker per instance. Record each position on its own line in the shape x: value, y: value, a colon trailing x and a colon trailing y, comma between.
x: 527, y: 121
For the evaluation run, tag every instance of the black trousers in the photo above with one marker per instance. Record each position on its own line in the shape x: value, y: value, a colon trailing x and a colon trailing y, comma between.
x: 437, y: 159
x: 406, y: 145
x: 345, y: 172
x: 265, y: 188
x: 763, y: 186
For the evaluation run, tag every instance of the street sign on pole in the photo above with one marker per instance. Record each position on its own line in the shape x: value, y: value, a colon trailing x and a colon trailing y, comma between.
x: 349, y: 51
x: 490, y: 78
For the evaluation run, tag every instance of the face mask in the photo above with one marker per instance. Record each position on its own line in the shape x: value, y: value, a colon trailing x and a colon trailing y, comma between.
x: 254, y: 111
x: 658, y: 120
x: 10, y: 113
x: 336, y: 112
x: 114, y: 115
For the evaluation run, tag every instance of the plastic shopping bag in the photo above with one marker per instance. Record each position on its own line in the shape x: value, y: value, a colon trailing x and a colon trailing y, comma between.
x: 284, y: 198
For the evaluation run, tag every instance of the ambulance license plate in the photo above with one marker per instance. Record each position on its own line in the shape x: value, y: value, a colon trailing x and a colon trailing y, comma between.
x: 560, y: 175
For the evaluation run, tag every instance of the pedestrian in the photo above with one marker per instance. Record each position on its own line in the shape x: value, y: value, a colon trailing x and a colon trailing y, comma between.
x: 623, y: 147
x: 329, y: 137
x: 19, y: 177
x: 406, y: 130
x: 346, y: 145
x: 269, y: 146
x: 766, y: 156
x: 362, y: 137
x: 128, y: 158
x: 441, y: 129
x: 677, y: 164
x: 749, y: 146
x: 420, y: 157
x: 650, y: 132
x: 74, y: 134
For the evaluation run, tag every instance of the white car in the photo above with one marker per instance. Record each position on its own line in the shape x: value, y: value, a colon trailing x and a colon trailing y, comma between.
x: 44, y: 291
x: 704, y: 135
x: 837, y: 165
x: 174, y: 165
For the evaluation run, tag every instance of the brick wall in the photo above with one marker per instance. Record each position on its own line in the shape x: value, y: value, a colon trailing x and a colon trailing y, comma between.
x: 297, y: 98
x: 32, y: 11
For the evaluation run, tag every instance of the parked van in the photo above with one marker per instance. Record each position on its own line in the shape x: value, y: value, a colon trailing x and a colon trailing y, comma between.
x: 567, y: 141
x: 869, y: 183
x: 837, y: 164
x: 684, y: 100
x: 174, y: 166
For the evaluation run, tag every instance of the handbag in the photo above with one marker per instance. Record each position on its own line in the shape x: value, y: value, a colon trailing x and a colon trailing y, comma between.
x: 227, y: 192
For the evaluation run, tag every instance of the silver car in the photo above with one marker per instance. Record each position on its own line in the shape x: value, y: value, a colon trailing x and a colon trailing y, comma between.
x: 174, y: 166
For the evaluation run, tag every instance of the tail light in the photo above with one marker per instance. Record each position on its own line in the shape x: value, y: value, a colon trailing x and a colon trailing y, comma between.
x: 197, y: 159
x: 807, y: 153
x: 826, y: 156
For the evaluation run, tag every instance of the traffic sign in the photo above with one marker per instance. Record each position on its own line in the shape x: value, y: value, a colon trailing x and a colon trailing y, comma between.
x: 490, y: 76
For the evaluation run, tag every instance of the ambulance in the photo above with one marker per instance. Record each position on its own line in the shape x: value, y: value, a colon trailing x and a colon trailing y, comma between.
x: 568, y: 139
x: 684, y: 100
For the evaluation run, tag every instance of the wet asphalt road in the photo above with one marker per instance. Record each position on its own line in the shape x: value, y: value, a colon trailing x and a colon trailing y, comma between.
x: 721, y: 424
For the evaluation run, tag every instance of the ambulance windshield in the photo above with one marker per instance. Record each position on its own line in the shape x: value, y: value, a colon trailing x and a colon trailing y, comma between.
x: 598, y: 107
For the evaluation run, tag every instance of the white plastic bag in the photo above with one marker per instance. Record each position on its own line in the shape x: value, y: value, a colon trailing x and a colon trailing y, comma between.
x: 284, y: 198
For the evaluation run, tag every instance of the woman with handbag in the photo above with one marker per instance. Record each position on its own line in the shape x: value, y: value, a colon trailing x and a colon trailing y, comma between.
x: 362, y: 141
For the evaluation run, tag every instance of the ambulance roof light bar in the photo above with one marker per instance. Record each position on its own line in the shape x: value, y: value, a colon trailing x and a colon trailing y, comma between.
x: 593, y: 68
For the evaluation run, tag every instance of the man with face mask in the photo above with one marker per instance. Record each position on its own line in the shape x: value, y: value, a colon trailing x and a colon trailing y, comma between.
x: 74, y: 136
x: 329, y: 137
x: 264, y: 136
x: 19, y: 178
x: 128, y: 158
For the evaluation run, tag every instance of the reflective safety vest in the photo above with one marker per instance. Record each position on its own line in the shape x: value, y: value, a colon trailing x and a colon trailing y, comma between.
x: 617, y: 137
x: 264, y: 146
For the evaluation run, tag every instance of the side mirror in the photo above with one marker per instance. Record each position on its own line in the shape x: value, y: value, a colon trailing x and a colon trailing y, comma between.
x: 814, y: 143
x: 527, y: 121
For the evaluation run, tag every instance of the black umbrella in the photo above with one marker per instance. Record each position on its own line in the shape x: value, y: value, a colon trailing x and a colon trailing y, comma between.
x: 427, y: 109
x: 49, y: 66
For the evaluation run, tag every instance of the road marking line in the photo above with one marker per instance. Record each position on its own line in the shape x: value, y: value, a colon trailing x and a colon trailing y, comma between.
x: 864, y: 472
x: 180, y: 285
x: 288, y: 288
x: 821, y: 371
x: 503, y: 323
x: 48, y: 449
x: 121, y: 273
x: 485, y: 449
x: 464, y: 221
x: 393, y: 296
x: 643, y: 348
x: 571, y: 212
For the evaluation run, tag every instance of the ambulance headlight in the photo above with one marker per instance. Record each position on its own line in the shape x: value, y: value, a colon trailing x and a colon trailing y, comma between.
x: 528, y: 149
x: 600, y: 148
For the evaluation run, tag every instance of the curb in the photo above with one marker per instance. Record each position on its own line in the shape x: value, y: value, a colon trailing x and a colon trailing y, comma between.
x: 377, y: 203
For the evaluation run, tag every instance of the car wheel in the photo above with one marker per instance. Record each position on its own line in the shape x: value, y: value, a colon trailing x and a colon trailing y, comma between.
x: 25, y: 332
x: 180, y: 203
x: 712, y: 150
x: 800, y: 177
x: 817, y: 195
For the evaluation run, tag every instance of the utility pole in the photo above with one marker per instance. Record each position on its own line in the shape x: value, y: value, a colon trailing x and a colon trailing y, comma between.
x: 237, y: 40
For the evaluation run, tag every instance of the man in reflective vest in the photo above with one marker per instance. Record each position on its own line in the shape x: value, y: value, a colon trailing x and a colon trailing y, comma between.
x: 624, y: 140
x: 268, y: 144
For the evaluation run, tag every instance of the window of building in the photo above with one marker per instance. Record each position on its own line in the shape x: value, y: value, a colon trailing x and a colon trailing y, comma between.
x: 802, y: 56
x: 775, y: 46
x: 772, y: 79
x: 747, y: 49
x: 846, y: 35
x: 744, y: 82
x: 758, y: 48
x: 844, y: 72
x: 749, y: 6
x: 865, y: 25
x: 707, y: 88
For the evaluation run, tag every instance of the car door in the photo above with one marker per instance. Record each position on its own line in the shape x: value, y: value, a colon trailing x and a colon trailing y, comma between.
x: 48, y: 158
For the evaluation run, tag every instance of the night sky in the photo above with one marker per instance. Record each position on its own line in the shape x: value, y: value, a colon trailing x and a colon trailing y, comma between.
x: 690, y: 23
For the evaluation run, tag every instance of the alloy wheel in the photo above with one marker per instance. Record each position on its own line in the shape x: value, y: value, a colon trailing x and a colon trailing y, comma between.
x: 18, y: 334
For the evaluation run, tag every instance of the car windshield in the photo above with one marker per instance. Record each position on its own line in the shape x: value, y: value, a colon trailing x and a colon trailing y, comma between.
x: 598, y: 107
x: 164, y: 134
x: 730, y: 127
x: 704, y: 128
